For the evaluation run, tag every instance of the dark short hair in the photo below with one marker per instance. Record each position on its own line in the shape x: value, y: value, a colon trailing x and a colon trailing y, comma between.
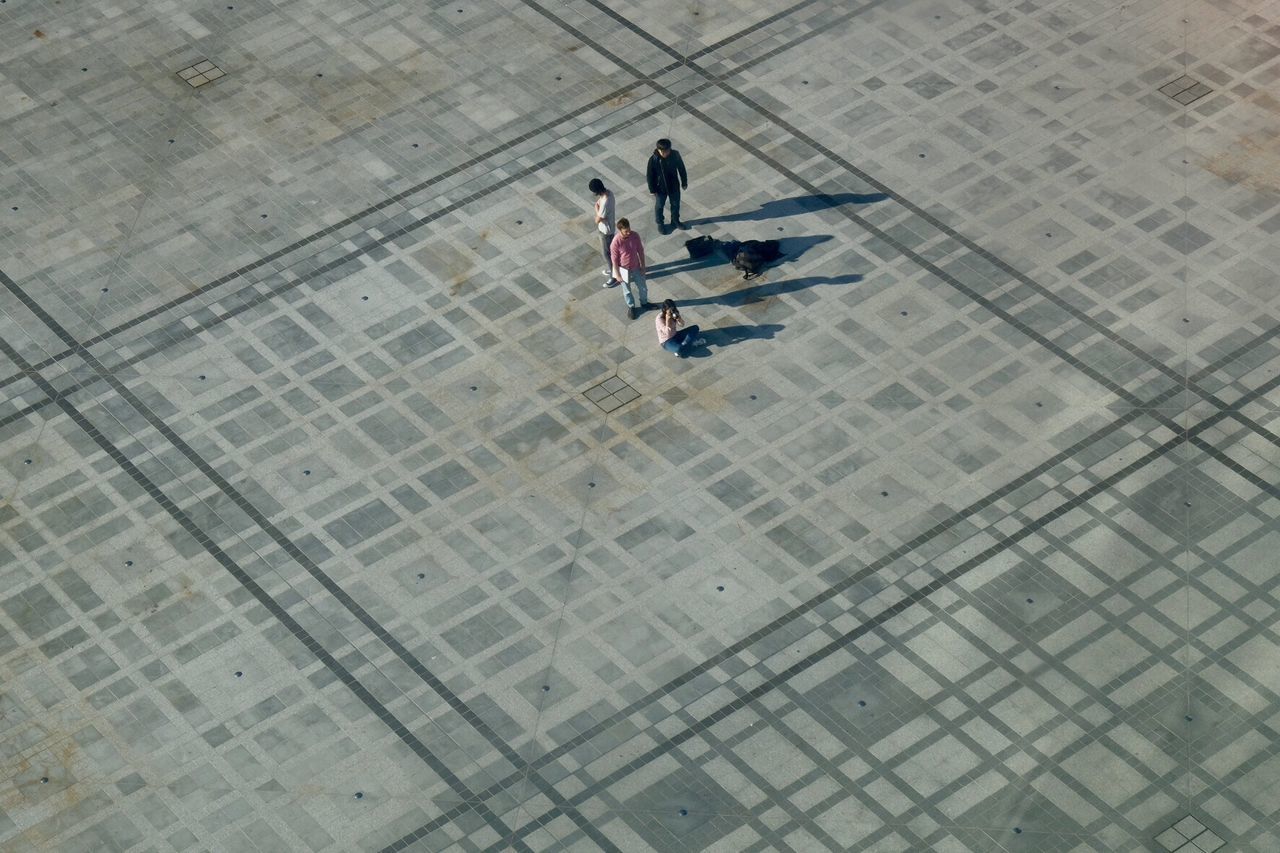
x: 664, y: 144
x: 596, y: 186
x: 624, y: 223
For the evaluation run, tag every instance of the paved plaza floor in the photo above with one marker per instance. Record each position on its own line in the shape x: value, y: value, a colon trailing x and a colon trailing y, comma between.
x: 341, y: 509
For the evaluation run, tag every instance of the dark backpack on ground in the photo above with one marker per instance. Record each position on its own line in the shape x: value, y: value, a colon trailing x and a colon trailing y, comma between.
x: 700, y: 247
x: 754, y: 255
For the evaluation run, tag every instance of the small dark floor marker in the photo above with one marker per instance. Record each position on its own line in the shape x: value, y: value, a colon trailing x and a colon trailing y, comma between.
x: 862, y: 703
x: 319, y: 75
x: 884, y: 494
x: 591, y: 485
x: 421, y: 576
x: 128, y: 562
x: 921, y: 156
x: 1017, y: 830
x: 13, y: 208
x: 904, y: 313
x: 546, y: 688
x: 359, y: 795
x: 1031, y: 601
x: 519, y: 221
x: 719, y: 589
x: 262, y: 216
x: 170, y: 141
x: 415, y: 145
x: 753, y: 396
x: 364, y: 299
x: 1187, y: 718
x: 684, y: 812
x: 44, y: 780
x: 200, y: 377
x: 306, y: 472
x: 239, y: 674
x: 104, y: 290
x: 473, y: 387
x: 1039, y: 405
x: 26, y: 461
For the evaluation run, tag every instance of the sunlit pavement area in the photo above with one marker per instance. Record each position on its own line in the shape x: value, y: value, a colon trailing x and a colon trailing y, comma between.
x: 343, y: 510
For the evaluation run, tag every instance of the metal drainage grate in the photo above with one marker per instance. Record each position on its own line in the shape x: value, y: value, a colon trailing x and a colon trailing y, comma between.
x: 611, y: 394
x: 1189, y: 836
x: 1185, y: 89
x: 202, y: 72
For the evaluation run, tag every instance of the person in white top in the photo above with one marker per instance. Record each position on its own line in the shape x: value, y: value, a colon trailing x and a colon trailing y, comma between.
x: 605, y: 225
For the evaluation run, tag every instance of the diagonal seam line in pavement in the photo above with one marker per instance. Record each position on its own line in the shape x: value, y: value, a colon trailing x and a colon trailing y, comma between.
x: 972, y: 246
x: 282, y: 541
x: 477, y: 160
x: 850, y: 581
x: 272, y: 292
x: 479, y: 804
x: 740, y: 700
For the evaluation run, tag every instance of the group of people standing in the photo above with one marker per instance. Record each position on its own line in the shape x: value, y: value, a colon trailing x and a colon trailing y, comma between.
x: 623, y: 251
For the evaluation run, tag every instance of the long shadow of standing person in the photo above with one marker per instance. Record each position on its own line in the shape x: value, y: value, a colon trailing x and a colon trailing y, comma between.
x: 666, y: 176
x: 726, y: 336
x: 713, y: 252
x: 761, y: 292
x: 793, y: 206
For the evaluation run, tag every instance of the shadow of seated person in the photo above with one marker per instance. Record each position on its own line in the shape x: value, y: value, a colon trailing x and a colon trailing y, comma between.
x: 727, y: 336
x: 793, y: 206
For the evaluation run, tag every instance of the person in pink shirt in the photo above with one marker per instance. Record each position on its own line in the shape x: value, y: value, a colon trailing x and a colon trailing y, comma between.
x: 627, y: 254
x: 671, y: 337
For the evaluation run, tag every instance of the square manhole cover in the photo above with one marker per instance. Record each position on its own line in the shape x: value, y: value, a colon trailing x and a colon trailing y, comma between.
x: 1185, y: 89
x: 202, y: 72
x: 1189, y: 836
x: 611, y: 394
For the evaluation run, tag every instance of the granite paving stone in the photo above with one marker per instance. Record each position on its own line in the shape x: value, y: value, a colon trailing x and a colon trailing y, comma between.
x: 342, y: 509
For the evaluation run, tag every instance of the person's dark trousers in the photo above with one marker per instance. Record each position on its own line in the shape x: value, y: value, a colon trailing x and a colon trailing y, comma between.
x: 682, y: 341
x: 660, y: 201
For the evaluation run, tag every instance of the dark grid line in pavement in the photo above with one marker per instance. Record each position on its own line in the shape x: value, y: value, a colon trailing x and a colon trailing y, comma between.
x: 671, y: 742
x: 282, y: 541
x: 477, y: 160
x: 103, y: 374
x: 336, y: 263
x: 836, y: 159
x: 812, y: 604
x: 471, y: 801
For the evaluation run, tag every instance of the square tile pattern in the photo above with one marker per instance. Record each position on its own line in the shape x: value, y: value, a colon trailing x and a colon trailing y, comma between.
x: 201, y: 73
x: 1185, y: 90
x: 961, y: 533
x: 611, y: 394
x: 1190, y: 836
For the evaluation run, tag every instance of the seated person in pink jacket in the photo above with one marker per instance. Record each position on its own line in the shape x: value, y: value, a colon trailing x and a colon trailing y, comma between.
x: 671, y: 337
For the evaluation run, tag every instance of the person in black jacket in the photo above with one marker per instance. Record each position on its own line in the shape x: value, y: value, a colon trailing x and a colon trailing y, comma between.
x: 666, y: 177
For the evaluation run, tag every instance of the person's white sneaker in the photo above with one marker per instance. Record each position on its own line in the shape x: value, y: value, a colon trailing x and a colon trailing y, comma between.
x: 613, y: 282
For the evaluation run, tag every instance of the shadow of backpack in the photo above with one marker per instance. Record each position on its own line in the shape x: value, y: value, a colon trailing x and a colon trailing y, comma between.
x: 754, y: 255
